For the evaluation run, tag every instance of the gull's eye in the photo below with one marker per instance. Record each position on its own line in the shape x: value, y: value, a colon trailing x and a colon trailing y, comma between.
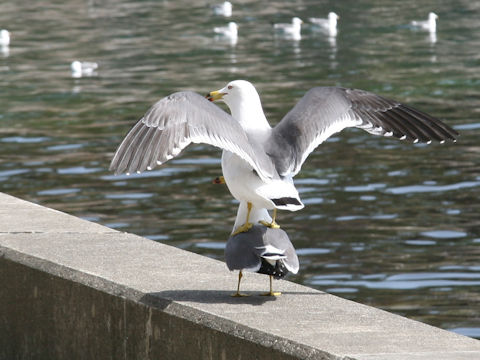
x: 230, y: 87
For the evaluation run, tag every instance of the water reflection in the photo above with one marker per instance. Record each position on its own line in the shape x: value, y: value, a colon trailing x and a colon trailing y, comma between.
x: 386, y: 223
x: 5, y: 50
x: 432, y: 37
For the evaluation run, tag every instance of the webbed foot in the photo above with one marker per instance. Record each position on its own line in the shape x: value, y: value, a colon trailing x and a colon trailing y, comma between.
x: 243, y: 228
x: 239, y: 294
x: 271, y: 225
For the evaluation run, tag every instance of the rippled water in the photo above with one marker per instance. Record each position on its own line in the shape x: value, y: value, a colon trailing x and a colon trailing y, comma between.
x: 386, y: 223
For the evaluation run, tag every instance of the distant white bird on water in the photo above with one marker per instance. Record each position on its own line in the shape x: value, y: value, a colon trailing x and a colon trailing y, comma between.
x: 4, y: 37
x: 292, y: 31
x: 224, y: 9
x: 230, y: 31
x: 329, y: 24
x: 430, y: 24
x: 258, y: 161
x: 83, y: 68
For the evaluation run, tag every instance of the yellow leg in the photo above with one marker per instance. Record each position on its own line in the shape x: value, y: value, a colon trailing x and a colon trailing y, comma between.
x: 271, y: 292
x: 238, y: 293
x: 272, y: 224
x: 248, y: 225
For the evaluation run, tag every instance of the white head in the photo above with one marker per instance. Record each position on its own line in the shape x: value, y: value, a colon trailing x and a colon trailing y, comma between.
x: 244, y: 103
x: 4, y: 37
x: 235, y: 93
x: 227, y: 6
x: 332, y: 17
x: 76, y: 66
x: 233, y: 27
x: 296, y: 21
x: 432, y: 24
x: 224, y: 9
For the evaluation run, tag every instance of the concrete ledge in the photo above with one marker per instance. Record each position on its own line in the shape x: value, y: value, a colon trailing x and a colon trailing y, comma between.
x: 71, y: 289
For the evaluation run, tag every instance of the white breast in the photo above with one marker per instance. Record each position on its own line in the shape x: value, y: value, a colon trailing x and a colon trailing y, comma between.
x: 242, y: 181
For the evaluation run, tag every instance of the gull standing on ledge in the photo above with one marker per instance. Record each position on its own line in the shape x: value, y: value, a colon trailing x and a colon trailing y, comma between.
x: 258, y: 161
x: 262, y: 250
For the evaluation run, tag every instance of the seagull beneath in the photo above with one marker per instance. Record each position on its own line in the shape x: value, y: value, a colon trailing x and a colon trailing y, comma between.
x: 291, y: 31
x: 83, y: 68
x: 263, y: 250
x: 4, y: 37
x: 329, y: 24
x: 430, y: 24
x: 258, y: 161
x: 229, y: 32
x: 224, y: 9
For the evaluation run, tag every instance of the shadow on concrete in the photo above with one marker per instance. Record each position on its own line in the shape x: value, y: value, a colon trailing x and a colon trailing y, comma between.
x: 206, y: 297
x: 163, y: 298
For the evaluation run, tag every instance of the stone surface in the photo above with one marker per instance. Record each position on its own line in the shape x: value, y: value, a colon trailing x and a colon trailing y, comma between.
x: 74, y: 289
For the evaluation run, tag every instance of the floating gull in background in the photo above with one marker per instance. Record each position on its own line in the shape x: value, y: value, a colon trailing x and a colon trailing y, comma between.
x: 5, y: 51
x: 4, y: 37
x: 430, y: 24
x: 4, y: 42
x: 83, y: 68
x: 332, y: 41
x: 291, y: 31
x: 258, y: 161
x: 263, y: 250
x: 229, y: 32
x: 224, y: 9
x: 329, y: 24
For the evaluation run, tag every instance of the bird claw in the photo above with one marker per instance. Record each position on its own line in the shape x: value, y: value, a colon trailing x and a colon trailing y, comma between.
x: 243, y: 228
x: 271, y: 293
x: 271, y: 225
x: 239, y: 294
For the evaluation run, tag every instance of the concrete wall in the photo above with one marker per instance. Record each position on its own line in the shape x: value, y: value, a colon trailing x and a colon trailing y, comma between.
x: 71, y: 289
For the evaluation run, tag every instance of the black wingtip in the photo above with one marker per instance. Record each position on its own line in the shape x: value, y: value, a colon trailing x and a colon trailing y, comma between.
x: 284, y: 201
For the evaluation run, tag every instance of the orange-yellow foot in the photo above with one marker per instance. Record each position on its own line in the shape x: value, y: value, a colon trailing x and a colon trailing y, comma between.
x: 239, y: 294
x: 243, y: 228
x: 272, y: 293
x: 272, y: 225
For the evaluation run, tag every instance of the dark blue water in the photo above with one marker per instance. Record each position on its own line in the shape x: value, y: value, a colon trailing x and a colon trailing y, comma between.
x: 386, y: 223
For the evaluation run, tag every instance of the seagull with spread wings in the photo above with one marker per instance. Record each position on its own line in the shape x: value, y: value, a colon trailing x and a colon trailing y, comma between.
x: 258, y: 161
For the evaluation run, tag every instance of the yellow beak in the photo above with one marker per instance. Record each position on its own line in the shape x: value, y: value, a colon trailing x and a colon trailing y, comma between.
x: 219, y: 180
x: 214, y: 95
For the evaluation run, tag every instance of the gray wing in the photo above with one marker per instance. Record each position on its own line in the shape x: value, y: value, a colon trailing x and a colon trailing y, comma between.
x: 245, y: 250
x: 324, y: 111
x: 278, y: 239
x: 241, y: 249
x: 172, y: 124
x: 319, y: 21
